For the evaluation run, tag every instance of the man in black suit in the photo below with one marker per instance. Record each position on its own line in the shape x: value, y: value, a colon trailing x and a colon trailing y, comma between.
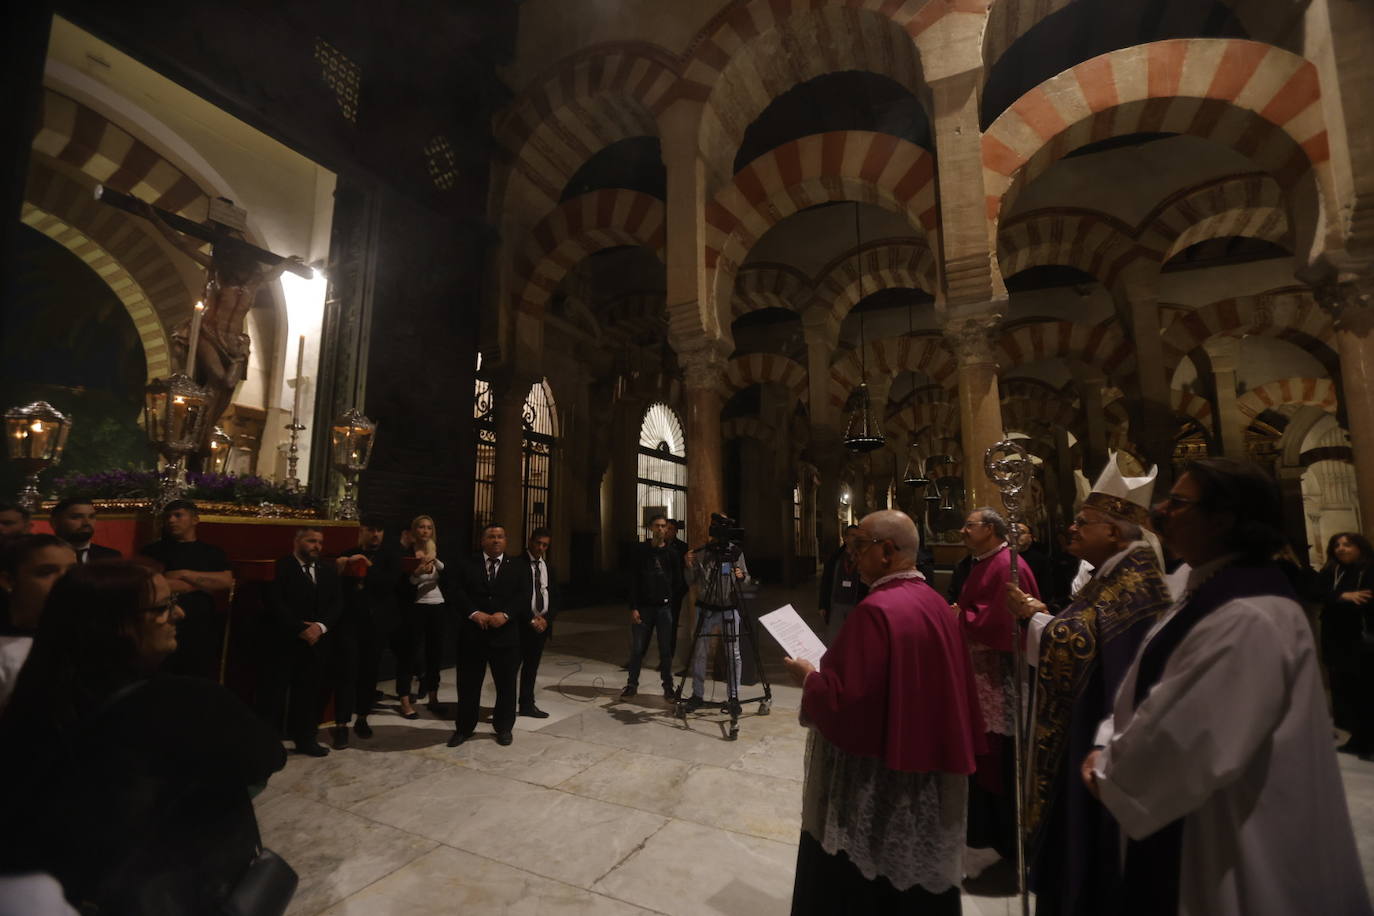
x: 302, y: 605
x: 73, y: 520
x: 371, y: 571
x: 545, y: 603
x: 493, y: 596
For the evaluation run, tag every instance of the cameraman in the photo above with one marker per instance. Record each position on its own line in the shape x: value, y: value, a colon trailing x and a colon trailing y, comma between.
x: 715, y: 571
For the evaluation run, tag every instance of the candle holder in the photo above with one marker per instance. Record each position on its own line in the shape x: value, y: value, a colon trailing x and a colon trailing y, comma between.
x: 351, y: 440
x: 175, y: 413
x: 34, y: 439
x: 292, y: 482
x: 222, y: 451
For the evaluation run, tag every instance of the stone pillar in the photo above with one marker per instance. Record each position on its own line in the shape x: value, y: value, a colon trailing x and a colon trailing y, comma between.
x: 1352, y: 304
x: 508, y: 407
x: 1294, y: 511
x: 705, y: 371
x: 1090, y: 385
x: 625, y: 525
x: 1152, y: 415
x: 980, y: 408
x: 1230, y: 425
x: 1063, y: 468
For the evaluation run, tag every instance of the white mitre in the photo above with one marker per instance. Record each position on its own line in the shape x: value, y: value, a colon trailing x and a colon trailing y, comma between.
x: 1124, y: 497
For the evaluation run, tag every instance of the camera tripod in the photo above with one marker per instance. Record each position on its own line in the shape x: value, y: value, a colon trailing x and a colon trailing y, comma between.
x: 729, y: 635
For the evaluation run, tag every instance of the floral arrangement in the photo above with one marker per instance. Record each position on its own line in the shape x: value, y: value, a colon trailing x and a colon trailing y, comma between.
x: 229, y: 488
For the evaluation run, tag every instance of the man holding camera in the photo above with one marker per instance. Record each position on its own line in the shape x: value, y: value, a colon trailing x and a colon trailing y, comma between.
x: 716, y: 571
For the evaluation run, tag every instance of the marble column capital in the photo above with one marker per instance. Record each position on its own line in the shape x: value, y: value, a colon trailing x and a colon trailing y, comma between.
x: 971, y: 338
x: 704, y: 368
x: 1350, y: 302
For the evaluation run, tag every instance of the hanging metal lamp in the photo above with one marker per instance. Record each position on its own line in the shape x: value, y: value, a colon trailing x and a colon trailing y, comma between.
x: 914, y: 475
x: 863, y: 431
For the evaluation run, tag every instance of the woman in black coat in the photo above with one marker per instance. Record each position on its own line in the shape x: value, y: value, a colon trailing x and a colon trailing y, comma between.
x: 1347, y: 628
x: 132, y: 789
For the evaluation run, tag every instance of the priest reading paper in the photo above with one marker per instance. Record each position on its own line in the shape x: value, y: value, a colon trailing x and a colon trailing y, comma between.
x: 894, y: 727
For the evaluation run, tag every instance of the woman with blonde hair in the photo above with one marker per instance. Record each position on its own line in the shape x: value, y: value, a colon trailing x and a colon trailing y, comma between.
x: 422, y: 614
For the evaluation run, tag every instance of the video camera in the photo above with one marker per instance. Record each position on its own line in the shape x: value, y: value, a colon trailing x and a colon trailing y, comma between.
x: 723, y: 529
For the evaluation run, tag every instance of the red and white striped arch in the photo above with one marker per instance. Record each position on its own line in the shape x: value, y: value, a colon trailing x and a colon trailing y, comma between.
x: 883, y: 264
x: 930, y: 420
x: 810, y: 40
x: 761, y: 368
x: 1100, y: 346
x: 580, y: 227
x: 769, y: 286
x: 600, y: 95
x: 1291, y: 315
x: 1260, y: 100
x: 1093, y: 242
x: 1311, y: 392
x: 1187, y: 404
x: 1250, y: 206
x: 873, y: 168
x: 927, y: 355
x: 85, y: 139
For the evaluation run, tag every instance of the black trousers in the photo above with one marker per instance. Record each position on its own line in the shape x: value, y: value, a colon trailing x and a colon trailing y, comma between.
x: 653, y: 619
x: 200, y: 644
x: 291, y: 679
x: 419, y: 625
x: 475, y: 656
x: 357, y: 656
x: 531, y: 650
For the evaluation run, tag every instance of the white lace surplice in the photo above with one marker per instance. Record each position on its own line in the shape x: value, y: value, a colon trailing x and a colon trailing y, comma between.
x: 907, y: 827
x: 996, y: 690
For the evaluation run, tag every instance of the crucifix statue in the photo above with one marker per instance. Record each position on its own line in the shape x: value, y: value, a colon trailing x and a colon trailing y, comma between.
x: 234, y: 272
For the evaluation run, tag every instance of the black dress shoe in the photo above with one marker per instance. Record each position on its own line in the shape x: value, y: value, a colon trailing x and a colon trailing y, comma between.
x: 629, y: 691
x: 340, y: 735
x: 458, y: 738
x: 504, y: 738
x: 436, y: 707
x: 694, y: 702
x: 361, y: 728
x: 670, y: 694
x: 311, y: 748
x: 534, y: 712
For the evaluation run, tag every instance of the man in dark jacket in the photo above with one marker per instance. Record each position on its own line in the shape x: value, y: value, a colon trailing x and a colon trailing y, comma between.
x: 545, y: 602
x: 73, y: 520
x: 656, y: 584
x: 493, y: 597
x: 302, y: 606
x: 841, y: 587
x: 371, y: 571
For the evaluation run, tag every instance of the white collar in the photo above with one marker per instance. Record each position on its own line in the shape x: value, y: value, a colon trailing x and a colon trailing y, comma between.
x: 983, y: 556
x: 912, y: 573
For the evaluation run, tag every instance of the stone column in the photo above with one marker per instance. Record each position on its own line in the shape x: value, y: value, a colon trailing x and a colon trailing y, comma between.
x: 625, y: 524
x: 1294, y: 511
x: 1090, y: 385
x: 980, y: 408
x: 705, y: 372
x: 1230, y: 425
x: 1352, y: 304
x: 1063, y: 467
x: 1152, y: 415
x: 508, y: 406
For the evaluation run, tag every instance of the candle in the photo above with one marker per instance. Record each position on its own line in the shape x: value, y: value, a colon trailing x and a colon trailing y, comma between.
x: 194, y: 339
x: 300, y: 366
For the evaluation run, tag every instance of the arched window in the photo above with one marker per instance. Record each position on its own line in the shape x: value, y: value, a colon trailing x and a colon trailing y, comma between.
x: 540, y: 434
x: 662, y: 486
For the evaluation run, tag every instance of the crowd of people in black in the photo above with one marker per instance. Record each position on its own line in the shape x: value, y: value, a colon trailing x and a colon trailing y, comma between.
x: 133, y: 767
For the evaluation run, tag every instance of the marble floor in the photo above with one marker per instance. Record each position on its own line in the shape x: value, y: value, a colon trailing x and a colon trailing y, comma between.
x: 608, y: 806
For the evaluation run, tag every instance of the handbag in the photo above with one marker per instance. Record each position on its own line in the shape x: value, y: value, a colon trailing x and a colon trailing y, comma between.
x: 265, y: 889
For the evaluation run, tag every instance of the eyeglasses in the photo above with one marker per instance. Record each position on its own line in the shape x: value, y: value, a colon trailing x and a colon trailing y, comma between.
x: 1179, y: 502
x: 968, y: 525
x: 164, y: 608
x: 1081, y: 522
x: 862, y: 544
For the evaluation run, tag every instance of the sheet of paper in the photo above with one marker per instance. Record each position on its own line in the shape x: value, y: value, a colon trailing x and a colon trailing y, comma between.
x: 796, y: 638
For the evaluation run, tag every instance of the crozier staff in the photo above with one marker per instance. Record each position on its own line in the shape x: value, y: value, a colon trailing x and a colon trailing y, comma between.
x: 895, y: 726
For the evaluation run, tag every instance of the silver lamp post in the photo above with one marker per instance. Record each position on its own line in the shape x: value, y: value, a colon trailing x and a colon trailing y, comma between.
x: 34, y: 439
x: 221, y: 452
x: 351, y: 439
x: 175, y: 414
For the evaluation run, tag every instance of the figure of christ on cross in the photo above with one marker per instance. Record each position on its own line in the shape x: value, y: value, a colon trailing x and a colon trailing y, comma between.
x: 234, y: 272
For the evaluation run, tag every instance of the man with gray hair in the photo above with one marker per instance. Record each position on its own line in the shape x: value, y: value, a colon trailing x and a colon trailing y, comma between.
x: 894, y: 729
x: 990, y: 630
